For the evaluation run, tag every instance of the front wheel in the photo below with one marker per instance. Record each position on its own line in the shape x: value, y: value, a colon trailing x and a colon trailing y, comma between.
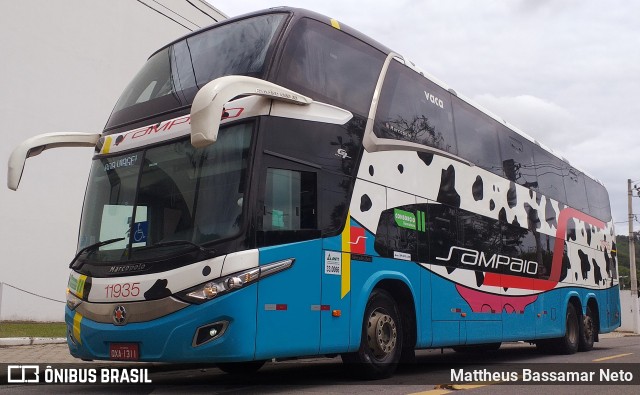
x: 381, y: 338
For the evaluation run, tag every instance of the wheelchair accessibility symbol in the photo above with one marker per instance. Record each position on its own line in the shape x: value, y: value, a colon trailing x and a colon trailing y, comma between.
x: 140, y: 232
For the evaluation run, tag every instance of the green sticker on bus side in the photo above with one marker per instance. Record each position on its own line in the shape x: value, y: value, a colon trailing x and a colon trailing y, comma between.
x: 404, y: 219
x: 409, y: 220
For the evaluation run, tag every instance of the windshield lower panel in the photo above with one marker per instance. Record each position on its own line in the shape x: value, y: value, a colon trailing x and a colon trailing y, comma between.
x: 166, y: 193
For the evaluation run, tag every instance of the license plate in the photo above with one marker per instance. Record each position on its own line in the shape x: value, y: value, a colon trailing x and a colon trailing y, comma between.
x: 124, y: 352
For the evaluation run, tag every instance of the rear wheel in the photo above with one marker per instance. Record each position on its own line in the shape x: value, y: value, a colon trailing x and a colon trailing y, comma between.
x: 587, y: 332
x: 381, y: 339
x: 567, y: 344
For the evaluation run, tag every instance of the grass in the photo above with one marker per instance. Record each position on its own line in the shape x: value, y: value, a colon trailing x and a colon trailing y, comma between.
x: 32, y: 329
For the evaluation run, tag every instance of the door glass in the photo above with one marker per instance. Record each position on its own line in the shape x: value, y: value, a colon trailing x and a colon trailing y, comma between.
x: 290, y: 200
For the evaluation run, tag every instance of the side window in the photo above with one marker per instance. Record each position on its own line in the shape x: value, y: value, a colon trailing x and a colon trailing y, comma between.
x: 550, y: 172
x: 414, y: 109
x: 397, y: 235
x: 290, y: 200
x: 330, y: 66
x: 517, y: 159
x: 477, y: 136
x: 575, y: 189
x: 442, y: 225
x: 533, y: 249
x: 598, y: 200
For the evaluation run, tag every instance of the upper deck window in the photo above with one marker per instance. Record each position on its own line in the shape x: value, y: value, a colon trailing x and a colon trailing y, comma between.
x: 330, y: 66
x: 171, y: 77
x: 414, y: 109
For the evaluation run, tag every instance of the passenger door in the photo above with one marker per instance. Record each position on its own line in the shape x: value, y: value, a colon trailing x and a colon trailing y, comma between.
x: 288, y: 324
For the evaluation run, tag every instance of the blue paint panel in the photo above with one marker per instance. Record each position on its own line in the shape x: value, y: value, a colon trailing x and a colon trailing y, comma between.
x: 296, y: 330
x: 548, y: 324
x: 483, y: 331
x: 446, y: 333
x: 334, y: 330
x: 170, y: 338
x: 610, y: 318
x: 425, y: 334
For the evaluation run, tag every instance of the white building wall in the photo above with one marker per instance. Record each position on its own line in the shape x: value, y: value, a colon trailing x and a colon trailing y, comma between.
x: 626, y: 309
x: 63, y: 65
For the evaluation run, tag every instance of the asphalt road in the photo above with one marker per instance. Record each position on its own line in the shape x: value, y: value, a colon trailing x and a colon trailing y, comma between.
x: 433, y: 373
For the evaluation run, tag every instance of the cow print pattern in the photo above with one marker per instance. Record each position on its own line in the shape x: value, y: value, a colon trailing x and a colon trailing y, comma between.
x: 588, y: 258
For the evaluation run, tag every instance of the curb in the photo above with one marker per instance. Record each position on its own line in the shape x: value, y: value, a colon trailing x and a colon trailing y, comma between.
x: 28, y: 341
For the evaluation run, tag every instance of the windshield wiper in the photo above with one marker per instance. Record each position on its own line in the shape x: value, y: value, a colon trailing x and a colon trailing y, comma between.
x: 208, y: 251
x: 93, y: 247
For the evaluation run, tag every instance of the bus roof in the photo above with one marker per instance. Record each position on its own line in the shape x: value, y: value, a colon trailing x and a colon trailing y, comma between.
x: 298, y: 13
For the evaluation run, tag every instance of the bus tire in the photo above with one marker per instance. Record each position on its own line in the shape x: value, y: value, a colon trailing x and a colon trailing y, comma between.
x: 241, y: 368
x: 587, y: 332
x: 568, y: 344
x: 381, y: 339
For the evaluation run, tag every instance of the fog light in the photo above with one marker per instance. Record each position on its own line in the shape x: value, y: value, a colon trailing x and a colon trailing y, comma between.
x: 209, y: 332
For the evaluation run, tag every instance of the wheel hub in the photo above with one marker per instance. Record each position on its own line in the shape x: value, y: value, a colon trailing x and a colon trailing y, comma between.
x: 382, y: 334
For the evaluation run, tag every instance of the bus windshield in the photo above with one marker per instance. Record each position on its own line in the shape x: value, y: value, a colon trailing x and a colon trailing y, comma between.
x: 166, y: 193
x: 172, y: 76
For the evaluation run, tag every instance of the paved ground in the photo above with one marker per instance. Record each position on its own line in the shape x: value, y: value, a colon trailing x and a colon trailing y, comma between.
x: 59, y: 353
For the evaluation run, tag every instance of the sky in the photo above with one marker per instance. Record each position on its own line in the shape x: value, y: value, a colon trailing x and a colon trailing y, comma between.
x: 565, y: 72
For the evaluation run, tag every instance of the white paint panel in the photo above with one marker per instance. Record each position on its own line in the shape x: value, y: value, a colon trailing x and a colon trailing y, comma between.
x: 238, y: 261
x: 368, y: 214
x: 177, y: 280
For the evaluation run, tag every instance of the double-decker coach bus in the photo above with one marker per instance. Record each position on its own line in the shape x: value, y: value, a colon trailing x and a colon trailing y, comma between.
x: 279, y: 185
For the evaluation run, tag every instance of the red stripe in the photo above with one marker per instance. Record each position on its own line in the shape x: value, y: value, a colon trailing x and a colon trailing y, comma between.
x: 507, y: 280
x: 281, y: 307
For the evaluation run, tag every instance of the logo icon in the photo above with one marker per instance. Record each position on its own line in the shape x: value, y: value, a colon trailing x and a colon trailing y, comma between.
x: 25, y: 374
x: 120, y: 315
x: 342, y: 153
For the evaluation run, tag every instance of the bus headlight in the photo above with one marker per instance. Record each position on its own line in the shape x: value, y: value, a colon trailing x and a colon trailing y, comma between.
x: 221, y: 286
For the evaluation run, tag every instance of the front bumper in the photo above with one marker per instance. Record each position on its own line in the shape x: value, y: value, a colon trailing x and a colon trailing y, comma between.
x: 170, y: 338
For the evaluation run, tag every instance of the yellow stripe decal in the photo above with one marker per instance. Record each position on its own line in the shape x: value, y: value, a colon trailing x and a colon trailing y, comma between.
x: 76, y: 327
x: 81, y: 281
x: 345, y: 285
x: 335, y: 24
x: 107, y: 145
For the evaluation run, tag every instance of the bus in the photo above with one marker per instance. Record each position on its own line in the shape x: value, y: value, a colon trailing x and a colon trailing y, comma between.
x: 279, y: 185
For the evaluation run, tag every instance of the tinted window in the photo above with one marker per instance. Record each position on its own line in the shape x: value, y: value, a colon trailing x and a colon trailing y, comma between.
x: 550, y: 171
x: 330, y: 66
x: 290, y: 200
x: 598, y: 200
x: 152, y: 82
x: 397, y: 235
x: 167, y: 81
x: 237, y: 48
x: 414, y: 109
x: 517, y: 158
x: 477, y: 136
x: 575, y: 190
